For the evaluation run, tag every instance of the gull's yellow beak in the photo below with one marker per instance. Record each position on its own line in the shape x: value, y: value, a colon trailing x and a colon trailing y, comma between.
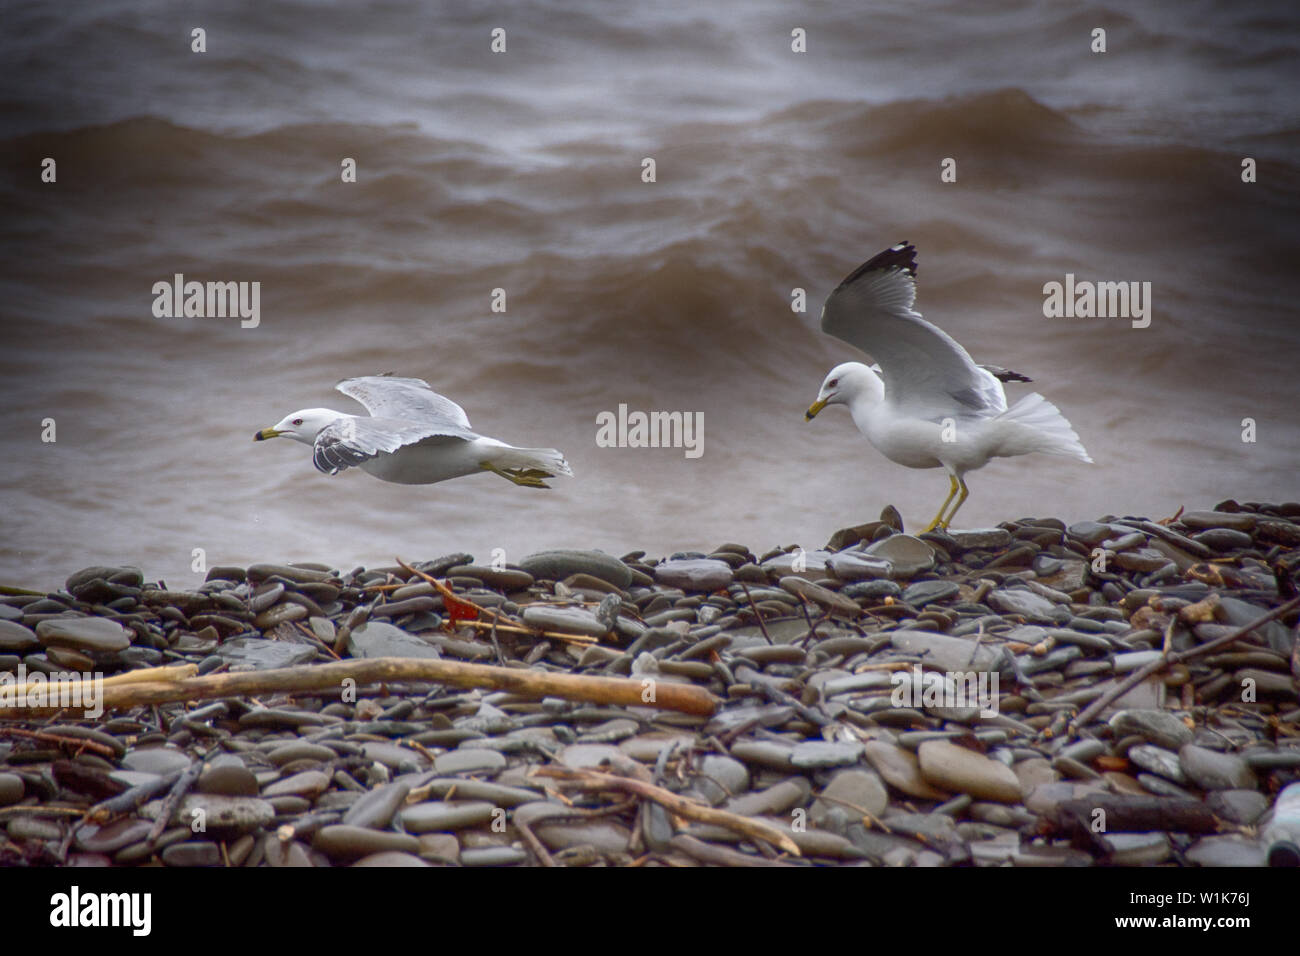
x: 813, y: 409
x: 266, y: 433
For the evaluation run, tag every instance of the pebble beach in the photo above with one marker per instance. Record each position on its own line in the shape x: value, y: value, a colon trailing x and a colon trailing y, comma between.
x: 1143, y: 668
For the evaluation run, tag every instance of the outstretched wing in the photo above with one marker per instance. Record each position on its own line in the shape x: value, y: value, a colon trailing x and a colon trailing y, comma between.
x: 926, y: 372
x: 352, y: 440
x: 408, y: 399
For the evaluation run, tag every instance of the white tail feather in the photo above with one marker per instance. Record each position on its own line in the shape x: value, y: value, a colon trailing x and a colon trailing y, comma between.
x: 1053, y: 435
x: 547, y: 459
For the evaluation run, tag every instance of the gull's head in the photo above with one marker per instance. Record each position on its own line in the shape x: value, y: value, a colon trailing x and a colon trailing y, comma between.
x: 843, y: 385
x: 302, y: 425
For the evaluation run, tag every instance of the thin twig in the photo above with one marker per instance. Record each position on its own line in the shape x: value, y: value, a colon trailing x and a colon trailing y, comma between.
x: 1142, y: 673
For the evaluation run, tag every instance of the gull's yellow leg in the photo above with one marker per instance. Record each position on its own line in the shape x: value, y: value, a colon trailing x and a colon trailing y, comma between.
x: 965, y: 493
x: 935, y: 523
x: 528, y: 477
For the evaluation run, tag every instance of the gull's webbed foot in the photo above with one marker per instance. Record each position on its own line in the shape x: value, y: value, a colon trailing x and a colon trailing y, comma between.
x: 527, y: 477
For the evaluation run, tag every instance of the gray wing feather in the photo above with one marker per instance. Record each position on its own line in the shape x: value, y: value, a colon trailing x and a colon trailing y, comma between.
x: 924, y: 369
x: 353, y: 440
x: 405, y: 398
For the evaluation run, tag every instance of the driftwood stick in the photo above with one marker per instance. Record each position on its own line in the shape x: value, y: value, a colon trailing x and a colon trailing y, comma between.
x: 66, y: 742
x: 1142, y: 673
x: 329, y: 677
x: 141, y: 676
x: 595, y: 780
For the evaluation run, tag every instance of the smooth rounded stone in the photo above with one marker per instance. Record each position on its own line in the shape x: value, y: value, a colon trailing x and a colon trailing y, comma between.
x: 856, y: 566
x: 16, y: 637
x: 1045, y: 797
x: 836, y: 604
x: 1226, y: 851
x: 857, y: 789
x: 309, y: 784
x: 605, y: 836
x: 927, y: 592
x: 776, y: 799
x: 806, y: 564
x: 872, y: 591
x: 71, y: 660
x: 694, y: 574
x: 960, y: 770
x: 503, y: 579
x: 1090, y: 533
x: 816, y: 754
x: 12, y: 789
x: 113, y: 837
x: 1034, y: 771
x: 945, y: 653
x: 339, y: 840
x: 592, y: 756
x: 1224, y: 539
x: 569, y: 620
x: 1236, y: 521
x: 1237, y: 806
x: 1212, y: 770
x: 439, y: 815
x: 221, y: 814
x: 192, y: 853
x: 1021, y: 601
x: 774, y: 654
x: 907, y: 555
x: 298, y: 575
x: 1074, y: 769
x: 300, y: 750
x: 226, y: 774
x: 375, y: 808
x: 1158, y: 727
x: 395, y: 757
x: 854, y: 683
x: 34, y: 828
x: 772, y: 754
x: 900, y: 769
x: 255, y: 653
x: 1273, y: 759
x: 96, y: 634
x: 280, y: 614
x: 390, y: 858
x: 1050, y: 856
x: 156, y: 760
x: 1158, y: 760
x: 646, y: 747
x: 1162, y: 787
x: 278, y: 853
x: 1238, y: 613
x: 476, y: 760
x: 999, y: 814
x: 1138, y: 849
x: 982, y: 539
x: 718, y: 778
x: 380, y: 639
x: 493, y: 856
x: 559, y: 564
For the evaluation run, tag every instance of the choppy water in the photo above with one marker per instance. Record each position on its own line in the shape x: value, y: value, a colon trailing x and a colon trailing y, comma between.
x: 522, y: 171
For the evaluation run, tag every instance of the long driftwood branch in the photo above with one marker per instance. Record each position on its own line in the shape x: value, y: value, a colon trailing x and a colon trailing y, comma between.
x: 619, y: 691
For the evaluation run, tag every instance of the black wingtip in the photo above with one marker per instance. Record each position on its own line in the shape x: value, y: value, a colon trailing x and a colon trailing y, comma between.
x: 901, y: 255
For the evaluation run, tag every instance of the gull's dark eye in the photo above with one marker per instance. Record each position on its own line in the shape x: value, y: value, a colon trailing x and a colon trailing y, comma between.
x: 832, y: 383
x: 297, y: 421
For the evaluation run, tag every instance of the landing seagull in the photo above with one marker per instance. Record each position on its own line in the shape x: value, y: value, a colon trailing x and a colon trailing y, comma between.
x: 930, y: 406
x: 413, y: 436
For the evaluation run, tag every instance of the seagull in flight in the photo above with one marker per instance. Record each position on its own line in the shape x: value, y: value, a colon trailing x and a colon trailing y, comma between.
x: 412, y: 436
x: 927, y: 404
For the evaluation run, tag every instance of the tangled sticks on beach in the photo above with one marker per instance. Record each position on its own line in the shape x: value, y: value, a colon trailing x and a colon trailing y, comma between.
x: 962, y: 698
